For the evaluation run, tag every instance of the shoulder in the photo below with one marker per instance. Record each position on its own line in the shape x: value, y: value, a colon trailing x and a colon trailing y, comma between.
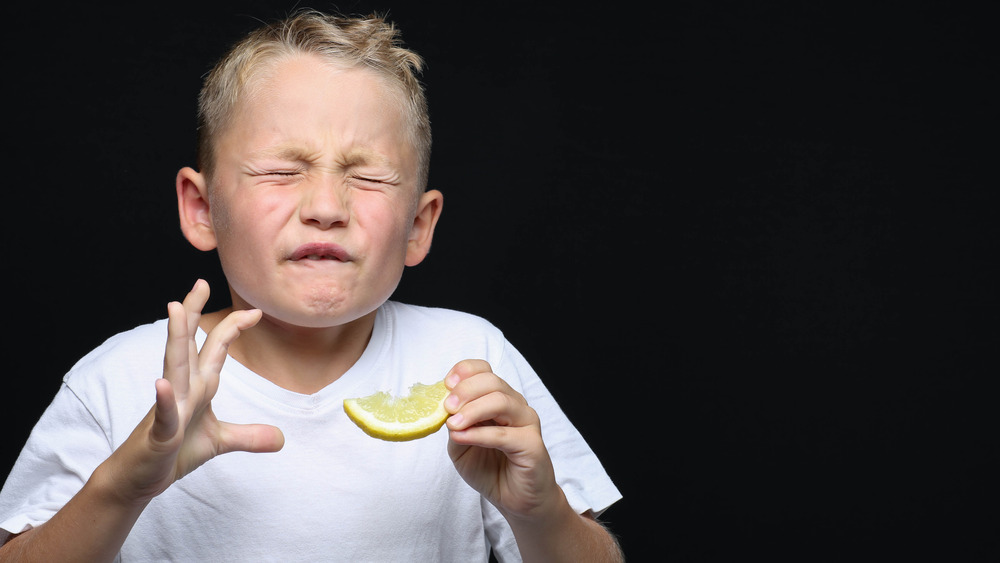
x: 426, y: 334
x: 113, y: 383
x: 439, y: 319
x: 124, y: 363
x: 435, y: 334
x: 126, y: 349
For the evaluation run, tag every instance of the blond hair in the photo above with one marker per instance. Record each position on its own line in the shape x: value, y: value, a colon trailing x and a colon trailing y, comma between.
x: 368, y: 42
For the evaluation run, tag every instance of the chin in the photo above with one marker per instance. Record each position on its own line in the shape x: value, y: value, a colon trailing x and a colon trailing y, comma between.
x: 322, y: 313
x: 319, y: 305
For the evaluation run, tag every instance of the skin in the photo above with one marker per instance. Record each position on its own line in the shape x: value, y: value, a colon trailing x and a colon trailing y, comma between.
x: 326, y: 163
x: 317, y: 157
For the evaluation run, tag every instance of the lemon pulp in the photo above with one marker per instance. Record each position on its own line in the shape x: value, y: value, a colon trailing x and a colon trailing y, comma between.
x: 398, y: 419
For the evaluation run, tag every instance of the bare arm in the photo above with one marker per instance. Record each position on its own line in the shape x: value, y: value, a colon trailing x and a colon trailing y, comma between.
x: 92, y: 526
x: 496, y: 445
x: 564, y: 536
x: 179, y: 433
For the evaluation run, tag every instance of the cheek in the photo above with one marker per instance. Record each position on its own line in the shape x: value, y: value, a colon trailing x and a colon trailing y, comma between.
x: 241, y: 241
x: 220, y: 212
x: 387, y: 225
x: 227, y: 230
x: 240, y: 221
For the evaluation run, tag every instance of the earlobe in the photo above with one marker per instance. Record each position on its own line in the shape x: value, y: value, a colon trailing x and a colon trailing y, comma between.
x: 194, y: 210
x: 422, y: 232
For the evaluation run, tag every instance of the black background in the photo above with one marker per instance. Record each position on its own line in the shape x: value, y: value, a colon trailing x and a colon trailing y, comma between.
x: 749, y: 248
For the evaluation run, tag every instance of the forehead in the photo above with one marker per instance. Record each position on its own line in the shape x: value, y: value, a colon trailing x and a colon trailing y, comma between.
x: 327, y: 85
x: 303, y: 103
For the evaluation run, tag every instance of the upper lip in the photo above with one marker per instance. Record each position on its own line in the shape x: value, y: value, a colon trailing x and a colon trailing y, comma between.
x: 320, y: 250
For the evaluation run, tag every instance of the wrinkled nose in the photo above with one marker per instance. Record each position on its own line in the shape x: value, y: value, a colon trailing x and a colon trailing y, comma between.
x: 325, y: 204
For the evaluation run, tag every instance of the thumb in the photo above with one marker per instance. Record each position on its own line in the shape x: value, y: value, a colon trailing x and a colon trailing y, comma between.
x: 256, y: 438
x: 165, y: 417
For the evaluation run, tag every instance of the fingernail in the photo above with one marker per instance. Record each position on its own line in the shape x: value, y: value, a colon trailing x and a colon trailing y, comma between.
x: 451, y: 402
x: 451, y: 381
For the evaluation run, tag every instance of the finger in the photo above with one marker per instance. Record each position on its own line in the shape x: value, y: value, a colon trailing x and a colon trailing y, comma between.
x: 472, y: 387
x: 165, y: 417
x: 511, y: 440
x: 257, y: 438
x: 502, y: 408
x: 464, y: 370
x: 194, y: 303
x: 216, y: 347
x: 470, y: 379
x: 176, y: 357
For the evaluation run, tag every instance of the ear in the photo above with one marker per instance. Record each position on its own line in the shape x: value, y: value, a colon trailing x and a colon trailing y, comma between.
x: 194, y: 210
x: 428, y: 213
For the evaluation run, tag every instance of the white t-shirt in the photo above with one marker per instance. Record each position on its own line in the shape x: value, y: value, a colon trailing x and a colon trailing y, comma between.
x: 332, y: 493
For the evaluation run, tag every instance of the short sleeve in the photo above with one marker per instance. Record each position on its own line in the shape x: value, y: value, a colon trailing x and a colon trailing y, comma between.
x: 579, y: 472
x: 61, y: 453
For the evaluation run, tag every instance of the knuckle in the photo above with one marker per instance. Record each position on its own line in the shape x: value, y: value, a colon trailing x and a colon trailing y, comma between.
x: 472, y: 366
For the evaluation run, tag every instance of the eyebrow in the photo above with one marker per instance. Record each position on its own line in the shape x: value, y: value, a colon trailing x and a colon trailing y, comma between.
x: 362, y: 156
x: 357, y: 156
x: 285, y: 152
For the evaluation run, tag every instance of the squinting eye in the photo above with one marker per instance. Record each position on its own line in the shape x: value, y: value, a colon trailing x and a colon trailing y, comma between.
x: 366, y: 183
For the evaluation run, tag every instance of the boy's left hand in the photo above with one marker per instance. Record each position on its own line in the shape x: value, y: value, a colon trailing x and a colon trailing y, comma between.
x: 496, y: 442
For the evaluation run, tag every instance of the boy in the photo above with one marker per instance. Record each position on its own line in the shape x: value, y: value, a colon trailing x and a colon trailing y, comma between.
x: 312, y: 187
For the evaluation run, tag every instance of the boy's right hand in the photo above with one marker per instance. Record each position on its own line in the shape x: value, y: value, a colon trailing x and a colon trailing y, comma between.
x: 181, y: 432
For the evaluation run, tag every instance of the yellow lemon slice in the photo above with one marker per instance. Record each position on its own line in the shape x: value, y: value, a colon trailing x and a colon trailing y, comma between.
x: 399, y: 419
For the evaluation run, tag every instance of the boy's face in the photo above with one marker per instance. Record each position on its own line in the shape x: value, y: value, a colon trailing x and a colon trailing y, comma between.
x: 314, y: 201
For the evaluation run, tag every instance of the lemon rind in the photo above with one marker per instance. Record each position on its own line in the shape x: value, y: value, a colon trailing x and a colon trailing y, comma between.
x: 395, y: 431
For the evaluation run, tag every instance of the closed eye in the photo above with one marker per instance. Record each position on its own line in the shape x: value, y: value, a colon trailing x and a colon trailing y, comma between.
x: 278, y: 177
x: 366, y: 182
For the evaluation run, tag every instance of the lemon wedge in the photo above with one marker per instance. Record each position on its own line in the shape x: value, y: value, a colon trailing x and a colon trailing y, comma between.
x: 398, y: 419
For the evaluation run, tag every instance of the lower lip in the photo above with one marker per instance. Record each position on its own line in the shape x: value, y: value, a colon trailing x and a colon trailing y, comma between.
x: 317, y: 261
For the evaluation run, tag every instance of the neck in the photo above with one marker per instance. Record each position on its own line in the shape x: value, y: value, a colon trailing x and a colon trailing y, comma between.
x: 303, y: 360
